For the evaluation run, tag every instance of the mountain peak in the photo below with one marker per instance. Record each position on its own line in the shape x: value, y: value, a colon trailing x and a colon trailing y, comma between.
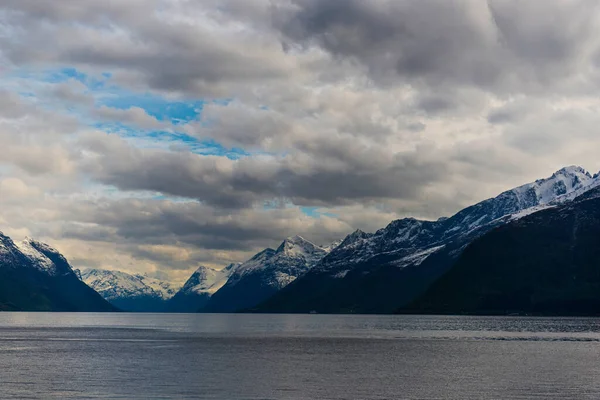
x: 295, y: 244
x: 38, y: 244
x: 202, y: 269
x: 574, y: 169
x: 296, y: 239
x: 354, y: 237
x: 208, y: 280
x: 559, y: 186
x: 232, y: 266
x: 403, y: 223
x: 42, y: 256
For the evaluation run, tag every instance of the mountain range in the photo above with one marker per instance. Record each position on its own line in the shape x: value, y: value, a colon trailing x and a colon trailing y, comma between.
x: 382, y: 271
x: 233, y: 288
x: 461, y: 264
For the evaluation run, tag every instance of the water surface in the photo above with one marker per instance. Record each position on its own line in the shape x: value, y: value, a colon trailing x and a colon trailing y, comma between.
x: 212, y: 356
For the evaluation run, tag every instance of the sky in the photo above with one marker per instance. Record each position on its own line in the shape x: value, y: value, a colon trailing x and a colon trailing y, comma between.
x: 152, y: 136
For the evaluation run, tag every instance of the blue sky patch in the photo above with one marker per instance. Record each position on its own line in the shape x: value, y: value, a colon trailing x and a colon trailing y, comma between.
x: 165, y: 139
x: 314, y: 212
x: 65, y: 74
x: 105, y: 93
x: 177, y: 112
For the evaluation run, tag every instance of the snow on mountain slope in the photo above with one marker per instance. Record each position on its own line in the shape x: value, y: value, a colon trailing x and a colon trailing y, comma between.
x: 32, y: 253
x: 208, y: 280
x: 119, y: 285
x: 198, y: 289
x: 38, y: 259
x: 585, y: 187
x: 578, y: 183
x: 561, y: 183
x: 36, y: 277
x: 409, y: 235
x: 332, y: 245
x: 166, y: 290
x: 10, y: 255
x: 294, y: 256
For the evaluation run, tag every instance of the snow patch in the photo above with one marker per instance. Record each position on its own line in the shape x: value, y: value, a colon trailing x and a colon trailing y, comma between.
x: 37, y: 258
x: 417, y: 258
x: 208, y: 280
x: 117, y: 284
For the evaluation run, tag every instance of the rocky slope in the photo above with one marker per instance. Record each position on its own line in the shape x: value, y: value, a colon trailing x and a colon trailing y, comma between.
x: 378, y: 272
x: 36, y: 277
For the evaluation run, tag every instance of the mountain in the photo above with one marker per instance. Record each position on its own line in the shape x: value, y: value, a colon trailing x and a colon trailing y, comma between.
x: 265, y: 274
x: 128, y: 292
x: 547, y: 263
x: 199, y: 288
x: 36, y: 277
x: 379, y: 272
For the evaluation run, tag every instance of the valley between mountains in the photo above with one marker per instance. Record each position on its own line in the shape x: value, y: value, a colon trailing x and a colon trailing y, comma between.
x: 534, y: 249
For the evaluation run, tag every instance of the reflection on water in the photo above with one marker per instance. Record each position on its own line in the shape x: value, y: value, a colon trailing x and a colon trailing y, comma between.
x: 211, y: 356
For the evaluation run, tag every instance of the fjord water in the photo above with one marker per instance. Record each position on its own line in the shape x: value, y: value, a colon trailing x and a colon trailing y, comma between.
x: 218, y: 356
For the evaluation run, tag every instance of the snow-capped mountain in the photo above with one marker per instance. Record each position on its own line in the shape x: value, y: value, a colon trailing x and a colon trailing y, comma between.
x: 129, y: 292
x: 198, y: 289
x: 38, y: 255
x: 294, y: 256
x: 30, y: 249
x: 366, y: 267
x: 266, y: 273
x: 36, y: 277
x: 545, y: 263
x: 208, y: 280
x: 408, y: 235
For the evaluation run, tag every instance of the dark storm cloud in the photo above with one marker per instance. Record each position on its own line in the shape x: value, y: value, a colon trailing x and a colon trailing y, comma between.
x: 504, y: 46
x: 140, y: 225
x: 323, y: 172
x: 132, y: 37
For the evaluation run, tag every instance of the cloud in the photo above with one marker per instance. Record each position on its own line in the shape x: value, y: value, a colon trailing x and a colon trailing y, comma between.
x: 156, y: 135
x: 327, y: 172
x: 502, y: 46
x: 15, y: 189
x: 181, y: 49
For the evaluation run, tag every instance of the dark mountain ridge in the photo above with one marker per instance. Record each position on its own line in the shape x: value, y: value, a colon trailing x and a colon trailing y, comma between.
x: 547, y: 263
x: 36, y: 277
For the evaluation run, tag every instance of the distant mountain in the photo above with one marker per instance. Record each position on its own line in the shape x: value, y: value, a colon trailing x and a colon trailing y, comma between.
x: 196, y: 292
x: 128, y: 292
x: 545, y: 263
x: 36, y: 277
x: 379, y: 272
x: 265, y: 274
